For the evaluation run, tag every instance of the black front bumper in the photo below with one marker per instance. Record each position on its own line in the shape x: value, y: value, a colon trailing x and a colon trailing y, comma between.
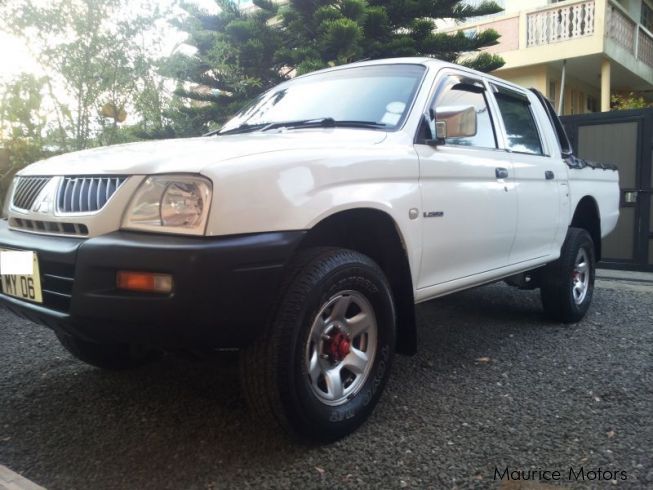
x: 223, y: 287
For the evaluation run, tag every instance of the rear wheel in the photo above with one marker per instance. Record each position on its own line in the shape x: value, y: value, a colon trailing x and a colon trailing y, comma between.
x: 321, y: 365
x: 113, y: 357
x: 568, y: 283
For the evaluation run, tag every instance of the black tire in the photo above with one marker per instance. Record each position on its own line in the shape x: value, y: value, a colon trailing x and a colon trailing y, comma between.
x: 113, y: 357
x: 274, y: 371
x: 559, y: 298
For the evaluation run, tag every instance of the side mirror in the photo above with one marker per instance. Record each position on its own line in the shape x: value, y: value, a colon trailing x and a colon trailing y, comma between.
x: 441, y: 130
x: 451, y: 122
x: 456, y: 122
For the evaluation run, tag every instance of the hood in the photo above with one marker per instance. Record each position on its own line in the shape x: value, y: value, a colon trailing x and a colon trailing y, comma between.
x: 194, y: 154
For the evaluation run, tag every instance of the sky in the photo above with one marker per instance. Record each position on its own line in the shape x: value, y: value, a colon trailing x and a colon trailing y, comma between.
x: 16, y: 58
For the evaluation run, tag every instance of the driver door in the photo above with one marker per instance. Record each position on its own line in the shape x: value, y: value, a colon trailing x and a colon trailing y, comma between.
x: 469, y: 203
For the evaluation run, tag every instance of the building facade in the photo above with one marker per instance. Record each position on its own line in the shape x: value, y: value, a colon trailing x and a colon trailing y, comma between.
x: 577, y: 52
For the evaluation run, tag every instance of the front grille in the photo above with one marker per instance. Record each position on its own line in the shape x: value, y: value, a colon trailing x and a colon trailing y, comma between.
x: 27, y: 190
x: 54, y: 227
x: 86, y: 194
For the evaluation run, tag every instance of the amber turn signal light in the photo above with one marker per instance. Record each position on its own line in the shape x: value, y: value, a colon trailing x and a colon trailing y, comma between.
x: 144, y: 282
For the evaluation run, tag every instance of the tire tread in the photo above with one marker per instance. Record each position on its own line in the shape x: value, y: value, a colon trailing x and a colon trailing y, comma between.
x: 556, y: 298
x: 259, y: 367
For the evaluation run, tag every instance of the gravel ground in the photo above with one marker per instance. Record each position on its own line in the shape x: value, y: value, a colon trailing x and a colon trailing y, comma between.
x: 493, y: 385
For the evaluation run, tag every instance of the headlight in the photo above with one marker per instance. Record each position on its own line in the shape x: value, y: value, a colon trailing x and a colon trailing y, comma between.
x: 170, y: 204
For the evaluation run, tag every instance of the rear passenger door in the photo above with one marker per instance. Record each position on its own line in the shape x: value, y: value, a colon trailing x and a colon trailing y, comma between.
x: 540, y: 180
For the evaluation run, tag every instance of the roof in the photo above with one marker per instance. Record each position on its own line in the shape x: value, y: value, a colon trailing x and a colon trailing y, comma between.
x: 385, y: 61
x: 431, y: 63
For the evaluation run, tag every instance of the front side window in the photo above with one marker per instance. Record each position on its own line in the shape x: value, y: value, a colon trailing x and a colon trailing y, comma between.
x: 521, y: 129
x: 381, y: 94
x: 457, y: 96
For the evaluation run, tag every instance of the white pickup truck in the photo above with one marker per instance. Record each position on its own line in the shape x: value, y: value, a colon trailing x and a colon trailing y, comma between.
x: 305, y: 231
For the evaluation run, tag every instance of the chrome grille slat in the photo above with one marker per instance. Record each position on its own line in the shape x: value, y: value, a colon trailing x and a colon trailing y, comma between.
x: 81, y: 196
x: 69, y: 194
x: 61, y: 196
x: 86, y: 194
x: 72, y: 196
x: 90, y: 193
x: 97, y: 193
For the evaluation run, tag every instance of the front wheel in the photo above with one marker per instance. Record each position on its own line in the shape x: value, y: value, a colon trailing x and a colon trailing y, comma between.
x: 568, y: 283
x: 321, y: 365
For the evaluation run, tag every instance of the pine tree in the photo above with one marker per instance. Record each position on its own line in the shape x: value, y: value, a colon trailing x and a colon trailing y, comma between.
x: 330, y: 32
x: 242, y: 53
x: 234, y: 61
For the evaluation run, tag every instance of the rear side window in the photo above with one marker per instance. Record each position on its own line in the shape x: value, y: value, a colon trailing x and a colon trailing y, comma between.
x: 518, y: 119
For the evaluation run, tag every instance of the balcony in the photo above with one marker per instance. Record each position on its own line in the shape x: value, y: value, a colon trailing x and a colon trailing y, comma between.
x: 629, y: 34
x: 599, y: 46
x: 571, y: 21
x: 560, y: 24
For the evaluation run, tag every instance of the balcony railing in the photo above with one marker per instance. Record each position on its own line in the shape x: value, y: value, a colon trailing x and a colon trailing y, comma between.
x: 621, y: 28
x: 561, y: 24
x: 629, y: 34
x: 645, y: 47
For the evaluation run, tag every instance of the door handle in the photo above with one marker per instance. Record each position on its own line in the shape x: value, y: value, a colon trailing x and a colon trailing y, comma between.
x: 501, y: 173
x: 549, y: 175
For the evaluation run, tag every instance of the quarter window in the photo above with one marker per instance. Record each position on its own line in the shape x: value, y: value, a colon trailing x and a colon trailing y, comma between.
x: 521, y: 129
x: 458, y: 95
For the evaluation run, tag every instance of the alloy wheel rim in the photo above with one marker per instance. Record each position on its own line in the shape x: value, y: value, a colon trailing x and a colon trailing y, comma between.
x: 580, y: 278
x: 341, y: 347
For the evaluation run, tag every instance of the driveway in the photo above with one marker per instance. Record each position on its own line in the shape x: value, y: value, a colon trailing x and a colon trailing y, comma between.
x: 493, y: 386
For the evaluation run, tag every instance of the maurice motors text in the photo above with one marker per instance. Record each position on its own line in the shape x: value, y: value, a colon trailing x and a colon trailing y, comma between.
x: 572, y: 474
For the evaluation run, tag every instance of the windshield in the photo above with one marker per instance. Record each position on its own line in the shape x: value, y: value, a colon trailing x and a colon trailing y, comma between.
x: 380, y: 95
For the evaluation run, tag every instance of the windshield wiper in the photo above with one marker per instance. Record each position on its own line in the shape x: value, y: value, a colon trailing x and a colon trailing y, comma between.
x: 247, y: 128
x: 325, y: 122
x: 243, y: 128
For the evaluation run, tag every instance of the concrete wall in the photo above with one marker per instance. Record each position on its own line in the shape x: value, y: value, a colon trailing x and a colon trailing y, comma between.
x: 529, y: 76
x: 508, y: 28
x: 634, y: 7
x: 540, y: 78
x: 577, y: 92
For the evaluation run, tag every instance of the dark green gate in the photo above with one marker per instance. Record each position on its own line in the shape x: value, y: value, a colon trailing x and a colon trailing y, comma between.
x: 624, y: 138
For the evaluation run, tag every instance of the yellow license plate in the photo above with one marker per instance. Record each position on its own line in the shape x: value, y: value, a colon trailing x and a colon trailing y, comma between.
x: 25, y: 286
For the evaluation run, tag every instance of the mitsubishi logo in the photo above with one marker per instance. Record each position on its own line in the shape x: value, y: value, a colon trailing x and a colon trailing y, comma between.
x: 45, y: 201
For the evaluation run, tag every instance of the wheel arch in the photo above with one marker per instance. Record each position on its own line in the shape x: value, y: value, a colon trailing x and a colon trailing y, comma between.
x: 587, y: 216
x: 376, y: 234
